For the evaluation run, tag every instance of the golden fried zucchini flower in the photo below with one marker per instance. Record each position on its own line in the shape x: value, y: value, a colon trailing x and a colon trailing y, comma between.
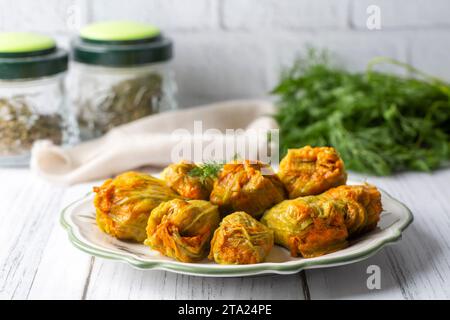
x: 363, y: 206
x: 308, y: 226
x: 123, y: 204
x: 244, y: 187
x: 182, y: 229
x: 241, y: 239
x: 178, y: 176
x: 310, y: 171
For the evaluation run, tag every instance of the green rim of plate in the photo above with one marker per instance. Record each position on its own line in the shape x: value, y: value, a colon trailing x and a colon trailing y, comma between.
x: 240, y: 270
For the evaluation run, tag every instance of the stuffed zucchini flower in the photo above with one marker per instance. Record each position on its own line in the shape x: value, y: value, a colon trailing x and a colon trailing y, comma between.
x: 182, y: 229
x: 181, y: 177
x: 123, y: 204
x: 308, y: 226
x: 244, y: 187
x: 363, y: 206
x: 310, y: 171
x: 241, y: 239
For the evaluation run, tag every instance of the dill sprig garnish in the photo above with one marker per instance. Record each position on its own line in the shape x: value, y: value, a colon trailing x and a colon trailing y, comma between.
x: 205, y: 171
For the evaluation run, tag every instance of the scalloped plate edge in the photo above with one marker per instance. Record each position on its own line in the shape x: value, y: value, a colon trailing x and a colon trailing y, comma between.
x: 242, y: 270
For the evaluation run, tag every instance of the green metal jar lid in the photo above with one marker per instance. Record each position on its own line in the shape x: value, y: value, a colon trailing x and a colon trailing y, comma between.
x: 120, y: 44
x: 29, y: 55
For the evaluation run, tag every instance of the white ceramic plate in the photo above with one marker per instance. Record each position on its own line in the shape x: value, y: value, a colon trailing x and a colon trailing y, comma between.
x: 79, y: 221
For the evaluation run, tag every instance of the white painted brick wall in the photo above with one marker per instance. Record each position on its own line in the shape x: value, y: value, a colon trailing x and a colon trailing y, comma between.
x: 295, y: 14
x: 168, y: 14
x: 404, y: 13
x: 431, y: 52
x: 213, y: 66
x: 49, y: 16
x: 229, y: 49
x: 351, y: 50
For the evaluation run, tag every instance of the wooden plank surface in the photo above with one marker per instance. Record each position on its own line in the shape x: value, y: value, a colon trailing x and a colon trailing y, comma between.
x: 112, y: 280
x: 28, y: 214
x: 38, y: 262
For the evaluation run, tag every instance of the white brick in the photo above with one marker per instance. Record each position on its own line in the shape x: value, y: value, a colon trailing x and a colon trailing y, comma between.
x: 350, y: 50
x: 63, y: 39
x: 404, y: 13
x: 167, y: 14
x: 39, y: 15
x: 430, y: 53
x: 211, y: 67
x: 268, y: 14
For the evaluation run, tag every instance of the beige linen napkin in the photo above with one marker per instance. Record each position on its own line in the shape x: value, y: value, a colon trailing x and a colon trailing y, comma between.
x: 148, y: 141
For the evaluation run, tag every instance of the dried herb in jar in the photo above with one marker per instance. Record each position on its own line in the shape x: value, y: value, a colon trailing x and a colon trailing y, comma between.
x: 20, y: 126
x: 126, y: 101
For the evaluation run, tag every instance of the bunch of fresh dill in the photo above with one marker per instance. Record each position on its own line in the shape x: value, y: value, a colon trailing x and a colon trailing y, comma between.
x: 380, y: 123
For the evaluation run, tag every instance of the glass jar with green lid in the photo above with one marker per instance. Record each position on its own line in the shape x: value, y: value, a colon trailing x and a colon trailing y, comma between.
x: 32, y: 96
x: 120, y: 73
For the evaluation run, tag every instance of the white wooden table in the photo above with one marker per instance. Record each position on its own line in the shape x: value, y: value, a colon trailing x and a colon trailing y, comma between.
x: 37, y: 261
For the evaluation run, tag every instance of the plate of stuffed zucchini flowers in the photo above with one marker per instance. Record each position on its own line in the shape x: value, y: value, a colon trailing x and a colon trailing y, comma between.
x: 239, y: 218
